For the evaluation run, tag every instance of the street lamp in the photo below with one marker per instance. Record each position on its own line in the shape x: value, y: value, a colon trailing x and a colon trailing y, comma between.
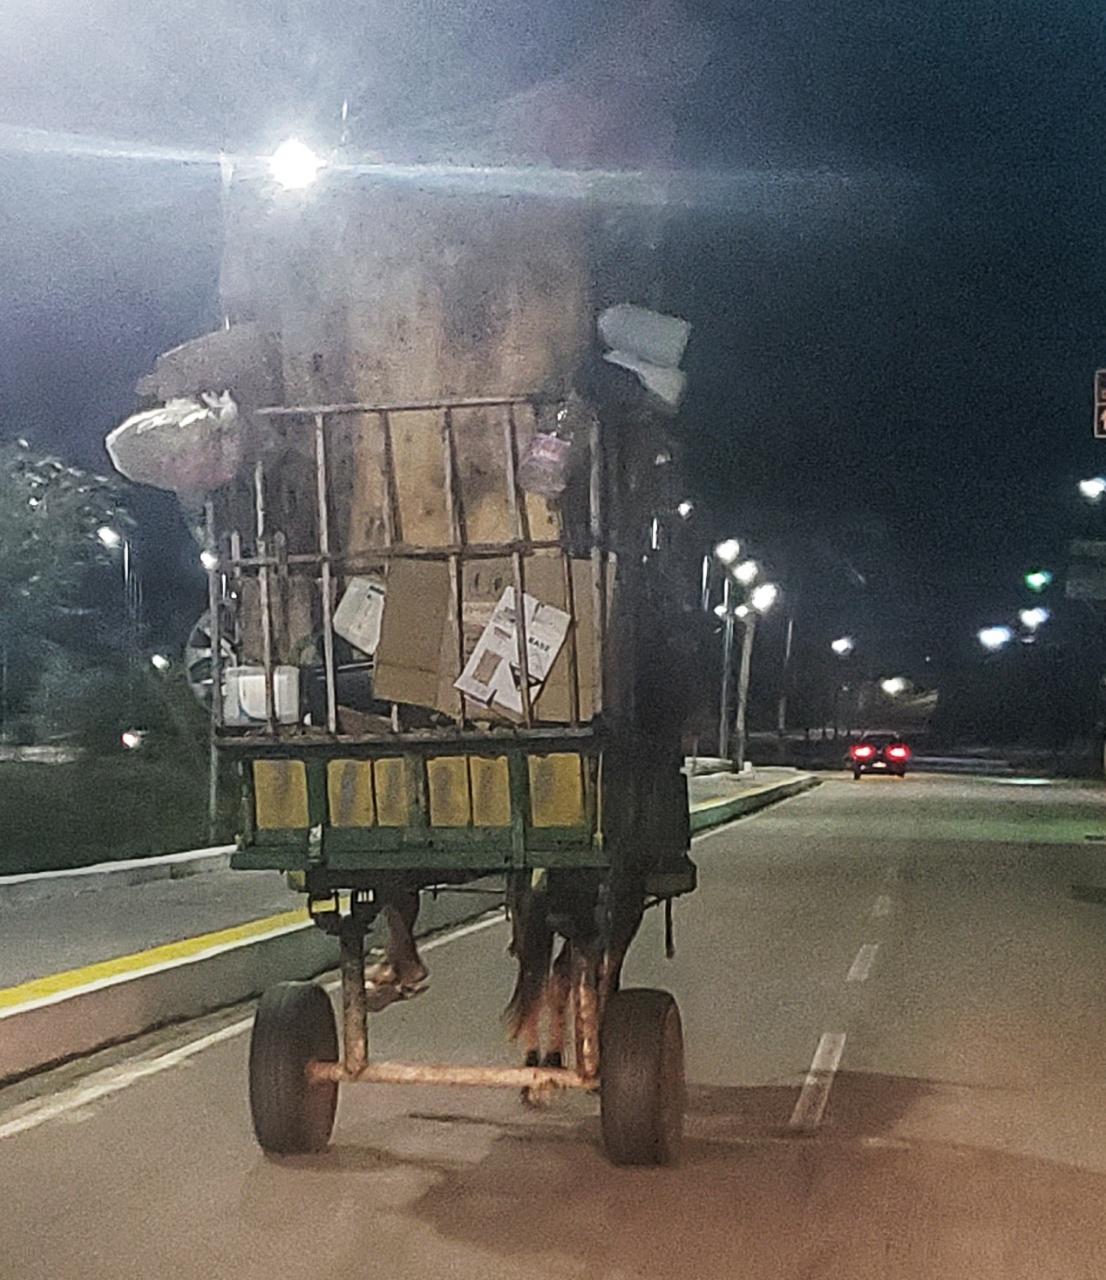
x: 1031, y: 619
x: 746, y: 572
x: 294, y: 165
x: 684, y: 509
x: 1038, y: 579
x: 994, y: 638
x: 728, y: 552
x: 209, y: 560
x: 160, y: 662
x: 1093, y: 489
x: 764, y: 596
x: 108, y: 537
x: 893, y: 686
x: 843, y: 646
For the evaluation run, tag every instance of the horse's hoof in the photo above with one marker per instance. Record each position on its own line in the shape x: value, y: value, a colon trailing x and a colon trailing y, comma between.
x: 380, y: 996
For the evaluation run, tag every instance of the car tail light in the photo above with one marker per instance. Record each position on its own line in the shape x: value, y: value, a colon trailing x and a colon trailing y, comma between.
x: 862, y: 752
x: 899, y: 752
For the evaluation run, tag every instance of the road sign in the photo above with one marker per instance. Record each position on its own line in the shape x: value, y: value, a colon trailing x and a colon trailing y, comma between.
x: 1086, y: 582
x: 1086, y: 577
x: 1100, y: 404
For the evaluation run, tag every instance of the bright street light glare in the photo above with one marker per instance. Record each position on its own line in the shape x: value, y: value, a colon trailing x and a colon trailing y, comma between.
x: 209, y: 560
x: 995, y: 637
x: 294, y: 165
x: 893, y: 686
x: 719, y: 610
x: 746, y: 572
x: 842, y: 646
x: 1093, y: 489
x: 1038, y: 579
x: 764, y: 596
x: 728, y: 552
x: 109, y: 537
x: 1034, y: 618
x: 742, y: 611
x: 685, y: 509
x: 159, y: 662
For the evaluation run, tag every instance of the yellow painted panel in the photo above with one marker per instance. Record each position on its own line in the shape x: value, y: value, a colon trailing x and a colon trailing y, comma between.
x: 491, y: 791
x: 280, y: 794
x: 556, y: 790
x: 393, y: 805
x: 349, y: 788
x: 448, y: 783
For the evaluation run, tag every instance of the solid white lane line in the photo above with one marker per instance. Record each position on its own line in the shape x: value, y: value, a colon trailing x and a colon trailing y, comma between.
x: 862, y: 965
x: 103, y: 1084
x: 883, y: 906
x: 112, y: 1080
x: 814, y: 1095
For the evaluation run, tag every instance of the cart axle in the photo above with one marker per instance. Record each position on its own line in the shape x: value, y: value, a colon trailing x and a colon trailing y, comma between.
x: 433, y: 1074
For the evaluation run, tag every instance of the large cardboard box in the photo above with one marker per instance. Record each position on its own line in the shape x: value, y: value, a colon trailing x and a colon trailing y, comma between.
x: 417, y: 659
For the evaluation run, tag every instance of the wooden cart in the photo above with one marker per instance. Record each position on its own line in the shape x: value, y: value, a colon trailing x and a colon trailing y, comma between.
x: 591, y: 807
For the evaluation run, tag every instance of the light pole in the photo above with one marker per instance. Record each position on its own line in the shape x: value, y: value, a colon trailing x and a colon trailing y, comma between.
x: 725, y: 609
x: 761, y: 599
x: 748, y: 635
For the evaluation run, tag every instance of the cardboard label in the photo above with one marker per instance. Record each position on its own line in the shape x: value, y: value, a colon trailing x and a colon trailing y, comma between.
x: 493, y: 674
x: 360, y: 613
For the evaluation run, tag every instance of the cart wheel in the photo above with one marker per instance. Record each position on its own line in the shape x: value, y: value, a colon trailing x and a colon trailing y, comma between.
x: 642, y: 1091
x: 294, y: 1024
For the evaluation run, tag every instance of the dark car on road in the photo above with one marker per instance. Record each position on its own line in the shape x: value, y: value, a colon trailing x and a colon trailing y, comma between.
x: 879, y: 753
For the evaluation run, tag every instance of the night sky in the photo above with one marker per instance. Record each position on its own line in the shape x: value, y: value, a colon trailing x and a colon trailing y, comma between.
x: 897, y: 314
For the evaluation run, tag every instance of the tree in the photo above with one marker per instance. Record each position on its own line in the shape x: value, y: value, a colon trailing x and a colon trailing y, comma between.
x: 51, y: 552
x: 50, y: 518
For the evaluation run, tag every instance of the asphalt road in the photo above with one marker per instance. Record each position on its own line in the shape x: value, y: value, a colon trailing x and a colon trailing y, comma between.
x: 941, y: 942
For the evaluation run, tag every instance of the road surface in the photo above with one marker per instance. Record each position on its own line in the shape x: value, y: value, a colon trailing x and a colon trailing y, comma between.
x: 894, y: 995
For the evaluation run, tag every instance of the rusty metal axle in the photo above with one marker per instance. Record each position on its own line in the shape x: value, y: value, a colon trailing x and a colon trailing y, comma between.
x: 446, y: 1075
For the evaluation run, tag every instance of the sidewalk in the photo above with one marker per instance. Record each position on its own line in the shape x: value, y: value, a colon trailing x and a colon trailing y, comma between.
x: 73, y: 936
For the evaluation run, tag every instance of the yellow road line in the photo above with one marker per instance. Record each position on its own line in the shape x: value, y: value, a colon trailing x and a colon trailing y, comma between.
x: 56, y: 984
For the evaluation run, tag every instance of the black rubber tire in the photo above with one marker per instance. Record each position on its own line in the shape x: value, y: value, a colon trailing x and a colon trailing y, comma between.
x: 294, y: 1024
x: 643, y: 1095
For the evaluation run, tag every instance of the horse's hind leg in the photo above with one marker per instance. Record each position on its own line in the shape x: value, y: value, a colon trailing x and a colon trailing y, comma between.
x: 558, y: 995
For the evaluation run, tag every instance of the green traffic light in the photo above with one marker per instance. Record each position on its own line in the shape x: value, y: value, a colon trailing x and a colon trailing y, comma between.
x: 1038, y: 579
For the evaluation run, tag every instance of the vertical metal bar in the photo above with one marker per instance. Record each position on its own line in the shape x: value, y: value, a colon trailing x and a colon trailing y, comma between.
x: 456, y: 536
x: 598, y: 562
x: 215, y: 627
x: 215, y: 718
x: 322, y: 517
x: 392, y: 526
x: 704, y: 586
x: 266, y: 602
x: 355, y: 1022
x: 727, y: 670
x: 573, y: 658
x: 517, y: 558
x: 586, y: 999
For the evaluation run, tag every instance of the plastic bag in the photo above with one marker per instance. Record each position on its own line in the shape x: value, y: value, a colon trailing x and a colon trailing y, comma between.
x: 187, y: 446
x: 551, y: 452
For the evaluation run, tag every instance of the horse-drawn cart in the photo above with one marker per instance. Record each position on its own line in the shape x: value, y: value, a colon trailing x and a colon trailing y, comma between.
x: 371, y: 780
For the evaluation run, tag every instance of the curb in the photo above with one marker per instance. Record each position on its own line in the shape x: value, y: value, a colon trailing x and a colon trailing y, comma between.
x: 39, y: 886
x: 714, y: 815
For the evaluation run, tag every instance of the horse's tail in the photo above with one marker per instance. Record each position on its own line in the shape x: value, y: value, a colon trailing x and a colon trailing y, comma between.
x: 532, y: 947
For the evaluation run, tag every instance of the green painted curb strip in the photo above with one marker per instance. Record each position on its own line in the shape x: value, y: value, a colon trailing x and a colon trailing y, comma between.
x: 703, y: 817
